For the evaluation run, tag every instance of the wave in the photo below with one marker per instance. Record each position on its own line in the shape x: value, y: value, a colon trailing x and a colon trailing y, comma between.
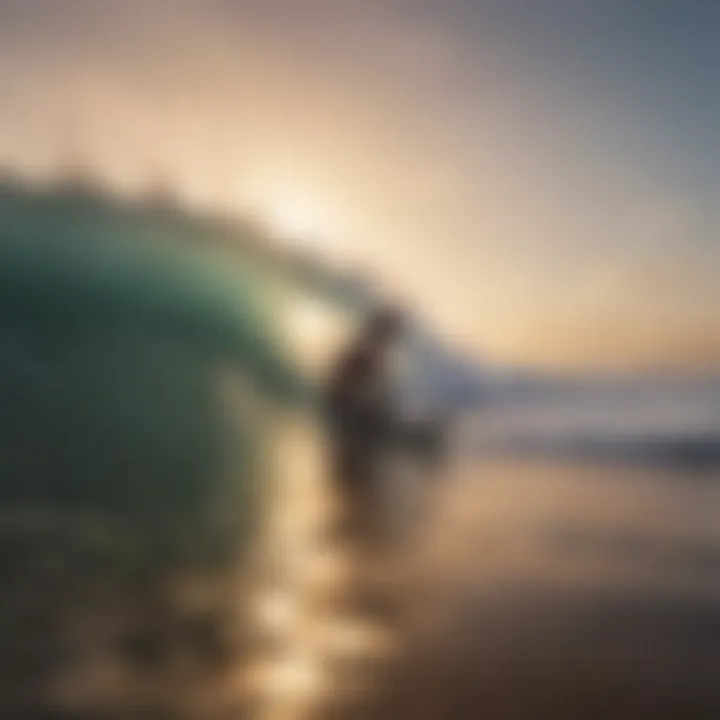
x: 631, y: 419
x: 144, y: 368
x: 688, y: 450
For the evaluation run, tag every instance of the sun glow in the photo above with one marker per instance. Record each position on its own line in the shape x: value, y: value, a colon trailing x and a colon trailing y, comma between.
x: 300, y: 218
x: 295, y: 219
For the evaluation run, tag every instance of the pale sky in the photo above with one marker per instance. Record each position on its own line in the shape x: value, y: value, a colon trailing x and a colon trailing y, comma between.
x: 541, y: 176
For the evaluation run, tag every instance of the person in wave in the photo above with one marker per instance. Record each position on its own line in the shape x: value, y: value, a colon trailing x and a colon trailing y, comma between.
x: 363, y: 409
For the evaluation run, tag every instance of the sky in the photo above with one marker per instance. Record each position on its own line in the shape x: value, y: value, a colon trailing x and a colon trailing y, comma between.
x: 540, y: 176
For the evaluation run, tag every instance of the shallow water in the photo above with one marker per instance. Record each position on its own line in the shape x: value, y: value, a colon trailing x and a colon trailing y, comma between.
x: 564, y: 590
x: 508, y: 588
x: 500, y: 587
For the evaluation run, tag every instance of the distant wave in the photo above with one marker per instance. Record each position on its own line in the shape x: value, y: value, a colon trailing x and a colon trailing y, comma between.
x: 687, y: 450
x: 639, y: 420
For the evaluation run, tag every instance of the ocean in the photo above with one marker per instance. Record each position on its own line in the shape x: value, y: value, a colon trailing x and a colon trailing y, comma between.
x: 671, y: 419
x: 173, y: 546
x: 565, y: 563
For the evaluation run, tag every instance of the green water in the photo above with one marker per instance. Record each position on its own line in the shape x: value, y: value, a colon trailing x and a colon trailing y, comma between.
x: 143, y: 380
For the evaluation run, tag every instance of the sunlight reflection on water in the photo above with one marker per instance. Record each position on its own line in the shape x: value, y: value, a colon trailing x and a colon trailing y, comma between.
x: 316, y: 640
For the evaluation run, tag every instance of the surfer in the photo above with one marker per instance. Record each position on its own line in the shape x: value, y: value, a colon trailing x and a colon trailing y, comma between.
x: 360, y: 404
x: 363, y: 409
